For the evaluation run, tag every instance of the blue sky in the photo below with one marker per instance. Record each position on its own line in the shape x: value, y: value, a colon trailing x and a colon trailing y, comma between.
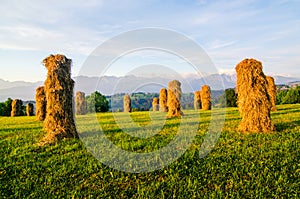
x: 228, y: 31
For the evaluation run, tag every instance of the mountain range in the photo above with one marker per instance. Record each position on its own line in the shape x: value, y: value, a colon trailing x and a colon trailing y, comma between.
x: 109, y: 85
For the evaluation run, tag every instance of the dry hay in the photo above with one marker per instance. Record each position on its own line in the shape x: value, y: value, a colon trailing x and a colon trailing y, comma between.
x: 40, y: 103
x: 206, y: 97
x: 155, y: 104
x: 29, y: 109
x: 174, y: 98
x: 197, y: 100
x: 59, y: 122
x: 272, y: 90
x: 81, y: 104
x: 127, y: 104
x: 16, y: 108
x: 163, y: 100
x: 253, y: 98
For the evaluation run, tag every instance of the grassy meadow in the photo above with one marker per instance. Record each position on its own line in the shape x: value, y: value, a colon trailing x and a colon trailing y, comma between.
x: 239, y: 166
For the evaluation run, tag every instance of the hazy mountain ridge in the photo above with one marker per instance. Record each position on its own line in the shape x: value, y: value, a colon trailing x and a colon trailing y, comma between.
x: 109, y: 85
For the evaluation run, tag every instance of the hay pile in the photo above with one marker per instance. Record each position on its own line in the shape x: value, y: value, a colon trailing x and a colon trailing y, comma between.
x: 174, y: 98
x: 163, y: 100
x: 253, y: 98
x: 29, y: 109
x: 40, y: 103
x: 155, y: 105
x: 197, y: 100
x: 59, y: 122
x: 271, y: 87
x: 16, y: 108
x: 206, y: 97
x: 81, y: 104
x: 127, y: 104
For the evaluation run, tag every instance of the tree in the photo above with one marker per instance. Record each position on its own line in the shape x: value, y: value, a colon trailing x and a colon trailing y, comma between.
x: 280, y: 96
x: 5, y: 107
x: 97, y: 102
x: 292, y: 97
x: 229, y: 98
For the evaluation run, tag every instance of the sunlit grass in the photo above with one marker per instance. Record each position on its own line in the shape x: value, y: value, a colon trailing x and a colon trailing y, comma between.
x: 240, y: 165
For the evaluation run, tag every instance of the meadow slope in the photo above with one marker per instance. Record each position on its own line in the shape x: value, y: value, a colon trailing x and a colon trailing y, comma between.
x: 240, y: 165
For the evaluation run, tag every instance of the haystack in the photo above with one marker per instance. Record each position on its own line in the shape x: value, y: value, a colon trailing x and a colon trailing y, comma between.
x: 40, y: 103
x: 127, y: 104
x: 163, y: 100
x: 197, y: 100
x: 206, y: 98
x: 174, y: 98
x: 59, y: 122
x: 253, y: 99
x: 81, y: 104
x: 16, y: 108
x: 272, y: 91
x: 29, y: 109
x: 155, y: 104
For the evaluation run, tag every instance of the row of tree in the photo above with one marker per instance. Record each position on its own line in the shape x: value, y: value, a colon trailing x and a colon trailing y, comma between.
x: 291, y: 96
x: 142, y: 102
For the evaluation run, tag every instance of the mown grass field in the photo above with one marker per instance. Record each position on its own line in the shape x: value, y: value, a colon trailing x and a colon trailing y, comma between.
x: 239, y: 166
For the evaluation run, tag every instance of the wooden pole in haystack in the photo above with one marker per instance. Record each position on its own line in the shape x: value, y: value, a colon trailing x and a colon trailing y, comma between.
x: 127, y: 104
x: 197, y: 100
x: 163, y: 100
x: 40, y: 103
x: 16, y: 108
x: 81, y: 104
x: 155, y: 104
x: 174, y: 99
x: 253, y: 98
x: 206, y: 98
x: 272, y: 90
x: 59, y: 122
x: 29, y: 109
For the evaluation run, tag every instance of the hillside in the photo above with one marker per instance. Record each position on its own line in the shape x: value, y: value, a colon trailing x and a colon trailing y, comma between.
x: 109, y: 85
x: 240, y: 165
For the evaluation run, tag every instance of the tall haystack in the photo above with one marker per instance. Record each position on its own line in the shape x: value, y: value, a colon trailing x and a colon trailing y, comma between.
x: 155, y: 104
x: 40, y: 103
x: 29, y: 109
x: 127, y: 104
x: 59, y: 122
x: 253, y: 99
x: 16, y: 108
x: 81, y: 104
x: 272, y: 90
x: 206, y: 98
x: 197, y: 100
x: 163, y: 100
x: 174, y: 98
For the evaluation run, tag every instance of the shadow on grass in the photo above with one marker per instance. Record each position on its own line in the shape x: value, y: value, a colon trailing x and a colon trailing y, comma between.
x: 285, y: 126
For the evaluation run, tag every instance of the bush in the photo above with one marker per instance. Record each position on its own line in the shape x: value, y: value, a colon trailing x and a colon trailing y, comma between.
x: 97, y: 102
x: 229, y: 98
x: 5, y: 107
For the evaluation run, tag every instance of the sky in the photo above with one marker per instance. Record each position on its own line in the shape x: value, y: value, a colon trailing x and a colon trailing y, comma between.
x: 228, y: 31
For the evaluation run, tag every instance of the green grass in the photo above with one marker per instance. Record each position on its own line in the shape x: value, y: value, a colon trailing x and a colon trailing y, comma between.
x: 239, y: 166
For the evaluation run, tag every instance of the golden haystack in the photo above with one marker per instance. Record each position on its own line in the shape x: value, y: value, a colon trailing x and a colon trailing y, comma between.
x: 272, y: 90
x: 253, y: 98
x: 81, y: 104
x: 40, y: 103
x: 59, y: 122
x: 174, y: 98
x: 16, y: 108
x: 197, y: 100
x: 155, y: 104
x: 29, y: 109
x: 127, y: 103
x: 206, y: 98
x: 163, y: 100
